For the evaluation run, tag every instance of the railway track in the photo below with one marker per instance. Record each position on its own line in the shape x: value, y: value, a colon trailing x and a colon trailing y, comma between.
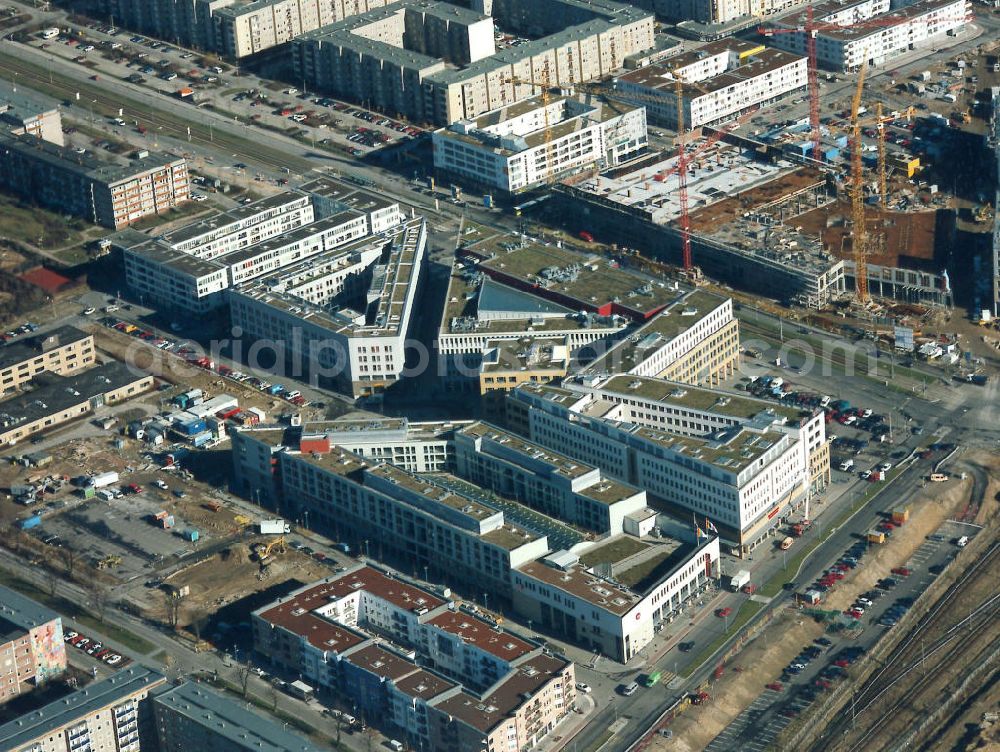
x: 155, y: 118
x: 916, y: 654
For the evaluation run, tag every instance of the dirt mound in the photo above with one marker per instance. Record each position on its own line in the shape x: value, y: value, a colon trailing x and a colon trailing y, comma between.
x: 238, y: 554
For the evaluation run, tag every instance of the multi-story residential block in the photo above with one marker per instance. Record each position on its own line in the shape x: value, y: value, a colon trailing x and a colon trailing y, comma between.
x: 190, y: 268
x: 22, y: 111
x: 32, y: 650
x: 742, y: 463
x: 112, y: 715
x: 695, y: 340
x: 190, y: 716
x: 369, y: 58
x: 433, y: 674
x: 344, y: 319
x: 617, y: 615
x: 61, y: 351
x: 553, y: 484
x: 872, y: 33
x: 56, y: 399
x: 720, y: 82
x: 507, y: 150
x: 105, y: 193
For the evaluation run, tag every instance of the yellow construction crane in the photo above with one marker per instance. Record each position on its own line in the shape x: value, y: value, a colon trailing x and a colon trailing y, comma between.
x: 859, y: 240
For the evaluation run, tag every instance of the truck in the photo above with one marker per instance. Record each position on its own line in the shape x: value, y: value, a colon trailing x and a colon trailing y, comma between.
x: 739, y: 579
x: 787, y: 543
x: 104, y: 479
x: 799, y: 528
x: 300, y: 689
x: 274, y: 527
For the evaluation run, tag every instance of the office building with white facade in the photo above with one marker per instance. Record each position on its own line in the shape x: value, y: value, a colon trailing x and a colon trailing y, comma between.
x: 342, y: 317
x: 872, y: 32
x: 506, y: 150
x: 741, y: 463
x: 695, y: 340
x: 190, y: 268
x: 722, y: 81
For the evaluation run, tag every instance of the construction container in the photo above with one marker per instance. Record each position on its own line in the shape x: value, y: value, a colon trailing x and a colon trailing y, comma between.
x: 190, y: 535
x: 201, y: 439
x: 161, y: 515
x: 876, y: 536
x: 30, y: 522
x: 900, y: 515
x: 192, y: 427
x: 213, y: 506
x: 167, y: 522
x: 88, y: 492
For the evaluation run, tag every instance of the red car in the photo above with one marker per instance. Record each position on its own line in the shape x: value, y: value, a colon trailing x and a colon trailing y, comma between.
x: 855, y: 614
x: 776, y: 686
x: 842, y: 662
x: 133, y: 488
x: 723, y: 612
x: 823, y: 684
x: 902, y: 571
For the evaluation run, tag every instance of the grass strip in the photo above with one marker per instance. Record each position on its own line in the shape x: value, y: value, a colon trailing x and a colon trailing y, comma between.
x: 747, y: 611
x: 68, y: 608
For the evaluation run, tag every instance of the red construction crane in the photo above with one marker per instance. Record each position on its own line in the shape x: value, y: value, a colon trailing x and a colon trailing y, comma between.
x: 811, y: 30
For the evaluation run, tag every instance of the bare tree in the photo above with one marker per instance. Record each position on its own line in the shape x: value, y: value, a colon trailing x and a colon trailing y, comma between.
x: 243, y: 673
x: 100, y: 597
x: 198, y: 619
x: 69, y: 560
x: 272, y: 695
x: 173, y: 608
x: 51, y: 581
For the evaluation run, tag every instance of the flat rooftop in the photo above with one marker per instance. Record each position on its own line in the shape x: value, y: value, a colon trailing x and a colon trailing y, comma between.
x: 55, y: 716
x: 346, y: 194
x: 18, y: 103
x: 585, y: 280
x: 539, y: 355
x: 24, y: 349
x: 695, y: 398
x: 23, y: 612
x: 50, y: 394
x: 243, y: 728
x: 731, y: 450
x: 86, y: 165
x: 659, y: 331
x: 428, y: 488
x: 884, y: 20
x: 577, y: 581
x: 223, y: 219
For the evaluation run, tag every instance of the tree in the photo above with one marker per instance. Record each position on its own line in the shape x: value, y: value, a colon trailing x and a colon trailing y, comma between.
x: 99, y: 598
x: 272, y: 695
x: 172, y: 602
x: 198, y: 621
x: 51, y: 580
x: 243, y: 672
x: 69, y: 560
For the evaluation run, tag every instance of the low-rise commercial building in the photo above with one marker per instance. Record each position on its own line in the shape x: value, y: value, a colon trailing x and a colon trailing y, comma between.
x: 695, y: 340
x: 61, y: 351
x: 720, y: 82
x: 522, y: 146
x: 553, y: 484
x: 23, y: 112
x: 112, y: 714
x: 375, y: 57
x: 872, y: 33
x: 507, y: 363
x: 105, y: 193
x: 190, y: 716
x: 424, y: 670
x: 32, y: 650
x: 53, y: 399
x: 741, y: 463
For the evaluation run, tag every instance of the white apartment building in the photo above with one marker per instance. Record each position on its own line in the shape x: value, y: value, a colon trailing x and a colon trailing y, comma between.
x: 414, y: 447
x: 553, y: 484
x: 507, y: 150
x: 739, y: 462
x: 730, y: 78
x: 189, y: 269
x: 561, y: 595
x: 889, y: 35
x: 360, y: 351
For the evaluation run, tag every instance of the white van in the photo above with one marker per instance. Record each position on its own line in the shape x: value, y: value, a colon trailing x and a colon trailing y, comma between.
x: 397, y: 746
x: 50, y: 33
x: 106, y: 494
x: 963, y: 541
x: 630, y: 689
